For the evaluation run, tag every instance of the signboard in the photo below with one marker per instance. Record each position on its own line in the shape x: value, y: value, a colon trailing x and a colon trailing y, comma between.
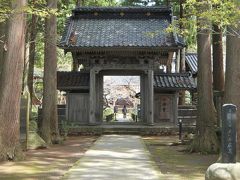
x: 229, y: 133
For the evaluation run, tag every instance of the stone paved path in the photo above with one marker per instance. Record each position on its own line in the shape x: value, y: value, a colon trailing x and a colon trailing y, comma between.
x: 115, y: 157
x: 121, y: 119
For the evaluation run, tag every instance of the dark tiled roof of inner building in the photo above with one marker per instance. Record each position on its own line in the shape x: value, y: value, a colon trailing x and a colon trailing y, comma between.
x: 164, y: 81
x: 72, y: 81
x: 192, y: 62
x: 119, y: 27
x: 176, y: 81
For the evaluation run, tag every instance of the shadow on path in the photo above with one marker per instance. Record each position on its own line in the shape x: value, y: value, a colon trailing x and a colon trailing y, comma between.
x: 116, y: 157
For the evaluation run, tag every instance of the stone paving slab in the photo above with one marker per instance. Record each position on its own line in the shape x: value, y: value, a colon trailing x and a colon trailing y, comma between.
x: 115, y: 157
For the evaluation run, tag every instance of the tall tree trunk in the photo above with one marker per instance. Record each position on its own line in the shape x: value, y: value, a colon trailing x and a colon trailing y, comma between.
x: 32, y: 52
x: 11, y: 80
x: 206, y: 138
x: 182, y: 55
x: 49, y: 127
x: 232, y: 85
x: 218, y: 73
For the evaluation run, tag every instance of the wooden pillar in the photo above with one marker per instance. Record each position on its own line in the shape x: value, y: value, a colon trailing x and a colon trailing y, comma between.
x: 175, y: 110
x: 169, y: 68
x: 169, y: 62
x: 92, y: 96
x: 75, y: 64
x: 142, y: 97
x: 183, y: 65
x: 177, y: 65
x: 145, y: 98
x: 150, y: 98
x: 101, y: 97
x: 97, y: 98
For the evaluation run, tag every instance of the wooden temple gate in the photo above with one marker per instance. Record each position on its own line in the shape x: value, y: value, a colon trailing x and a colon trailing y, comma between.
x: 122, y: 41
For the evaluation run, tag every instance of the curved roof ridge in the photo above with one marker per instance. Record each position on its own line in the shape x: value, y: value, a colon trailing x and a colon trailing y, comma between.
x: 123, y: 8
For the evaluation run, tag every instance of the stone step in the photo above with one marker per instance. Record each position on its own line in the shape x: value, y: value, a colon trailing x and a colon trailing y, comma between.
x: 127, y: 129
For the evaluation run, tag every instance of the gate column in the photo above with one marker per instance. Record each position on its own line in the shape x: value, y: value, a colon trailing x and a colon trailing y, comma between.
x: 92, y: 98
x: 150, y: 98
x: 142, y: 98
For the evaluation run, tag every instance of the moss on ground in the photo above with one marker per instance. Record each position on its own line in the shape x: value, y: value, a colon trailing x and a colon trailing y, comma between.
x: 173, y: 160
x: 50, y: 163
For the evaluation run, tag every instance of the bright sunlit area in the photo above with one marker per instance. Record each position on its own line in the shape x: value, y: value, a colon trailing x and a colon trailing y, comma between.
x: 120, y: 97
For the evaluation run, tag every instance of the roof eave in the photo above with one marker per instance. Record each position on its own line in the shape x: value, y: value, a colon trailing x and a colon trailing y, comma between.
x: 175, y: 89
x: 128, y: 48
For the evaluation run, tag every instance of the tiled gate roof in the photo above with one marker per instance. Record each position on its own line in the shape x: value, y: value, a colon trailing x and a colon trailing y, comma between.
x: 174, y: 81
x: 119, y: 27
x: 72, y: 81
x: 67, y: 81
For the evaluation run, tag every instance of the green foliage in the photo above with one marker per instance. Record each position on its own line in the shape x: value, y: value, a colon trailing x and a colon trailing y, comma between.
x: 65, y: 11
x: 222, y: 13
x: 5, y: 10
x: 39, y: 8
x: 39, y: 54
x: 189, y: 30
x: 100, y: 3
x: 107, y: 112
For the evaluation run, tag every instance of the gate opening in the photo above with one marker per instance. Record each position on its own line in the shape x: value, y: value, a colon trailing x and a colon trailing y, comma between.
x: 121, y: 99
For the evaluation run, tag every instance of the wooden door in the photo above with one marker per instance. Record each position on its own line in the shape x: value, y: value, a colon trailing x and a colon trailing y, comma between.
x: 163, y: 108
x: 78, y: 108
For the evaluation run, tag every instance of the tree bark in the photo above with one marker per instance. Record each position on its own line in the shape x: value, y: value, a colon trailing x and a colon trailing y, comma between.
x: 10, y: 89
x: 49, y: 129
x: 218, y: 73
x: 182, y: 55
x: 206, y: 138
x: 232, y: 85
x: 32, y: 48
